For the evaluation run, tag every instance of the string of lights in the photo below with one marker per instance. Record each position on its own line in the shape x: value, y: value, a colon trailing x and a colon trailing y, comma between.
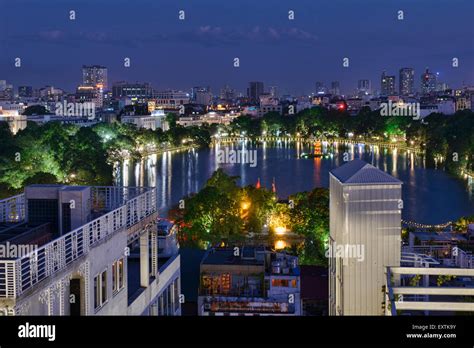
x: 424, y: 226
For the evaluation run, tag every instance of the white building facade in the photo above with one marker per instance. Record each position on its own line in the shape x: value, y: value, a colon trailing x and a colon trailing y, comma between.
x: 365, y: 237
x: 103, y: 260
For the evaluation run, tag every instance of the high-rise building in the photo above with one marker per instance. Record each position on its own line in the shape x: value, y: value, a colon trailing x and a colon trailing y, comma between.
x: 202, y: 95
x: 365, y: 237
x: 335, y: 88
x: 407, y: 81
x: 320, y: 88
x: 364, y: 87
x: 387, y: 84
x: 94, y: 75
x: 428, y: 82
x: 254, y: 91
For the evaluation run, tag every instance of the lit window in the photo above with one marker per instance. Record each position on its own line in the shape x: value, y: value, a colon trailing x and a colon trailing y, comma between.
x: 100, y: 289
x: 281, y: 283
x: 117, y: 276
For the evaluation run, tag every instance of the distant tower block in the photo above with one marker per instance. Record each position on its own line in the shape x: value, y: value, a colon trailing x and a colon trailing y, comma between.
x: 365, y: 236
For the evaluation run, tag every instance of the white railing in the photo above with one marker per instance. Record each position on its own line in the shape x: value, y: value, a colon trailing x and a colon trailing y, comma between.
x: 463, y: 259
x: 17, y: 276
x: 12, y: 209
x: 446, y: 254
x: 415, y: 259
x: 112, y: 197
x: 397, y: 296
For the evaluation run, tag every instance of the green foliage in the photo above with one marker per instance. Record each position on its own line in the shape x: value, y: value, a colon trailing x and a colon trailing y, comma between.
x: 444, y: 279
x: 212, y: 215
x: 223, y: 212
x: 415, y: 280
x: 68, y: 154
x: 310, y: 218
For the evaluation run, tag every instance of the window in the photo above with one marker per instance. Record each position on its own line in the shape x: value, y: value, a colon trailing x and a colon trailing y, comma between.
x: 100, y: 289
x: 104, y: 286
x: 117, y: 276
x: 280, y: 282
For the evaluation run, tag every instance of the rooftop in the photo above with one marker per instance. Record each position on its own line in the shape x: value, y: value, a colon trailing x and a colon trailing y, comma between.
x: 226, y: 256
x: 360, y: 172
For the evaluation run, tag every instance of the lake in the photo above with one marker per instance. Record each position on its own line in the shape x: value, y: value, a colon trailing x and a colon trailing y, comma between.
x: 430, y: 196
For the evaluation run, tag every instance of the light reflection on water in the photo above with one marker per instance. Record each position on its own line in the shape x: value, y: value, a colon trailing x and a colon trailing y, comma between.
x: 430, y: 196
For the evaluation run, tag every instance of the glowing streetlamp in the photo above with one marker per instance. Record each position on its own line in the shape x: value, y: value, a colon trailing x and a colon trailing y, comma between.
x: 280, y: 230
x: 245, y: 205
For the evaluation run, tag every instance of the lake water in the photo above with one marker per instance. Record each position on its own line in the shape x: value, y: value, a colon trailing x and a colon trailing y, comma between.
x: 430, y: 196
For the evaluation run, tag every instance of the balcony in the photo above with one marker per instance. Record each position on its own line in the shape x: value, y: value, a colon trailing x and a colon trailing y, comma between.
x: 114, y: 209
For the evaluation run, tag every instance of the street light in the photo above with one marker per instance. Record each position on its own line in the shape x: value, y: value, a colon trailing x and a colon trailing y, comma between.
x: 280, y: 230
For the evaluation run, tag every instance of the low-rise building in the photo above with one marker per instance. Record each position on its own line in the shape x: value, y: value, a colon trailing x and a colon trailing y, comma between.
x: 209, y: 118
x: 16, y: 122
x: 171, y: 99
x: 249, y: 281
x: 141, y: 121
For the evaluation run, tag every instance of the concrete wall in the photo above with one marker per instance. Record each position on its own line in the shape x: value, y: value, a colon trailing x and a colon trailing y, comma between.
x: 86, y: 268
x: 167, y: 275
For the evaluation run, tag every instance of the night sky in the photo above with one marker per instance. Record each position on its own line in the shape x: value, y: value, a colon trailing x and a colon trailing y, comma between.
x: 293, y: 55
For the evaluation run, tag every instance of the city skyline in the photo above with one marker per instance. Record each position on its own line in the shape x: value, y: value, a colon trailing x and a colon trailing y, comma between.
x: 375, y: 87
x: 264, y: 160
x: 202, y: 47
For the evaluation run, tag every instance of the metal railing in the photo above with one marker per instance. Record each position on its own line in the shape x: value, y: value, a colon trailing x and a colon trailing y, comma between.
x: 12, y: 209
x: 396, y: 296
x: 416, y: 259
x: 463, y: 259
x: 446, y: 254
x: 111, y: 197
x: 17, y: 276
